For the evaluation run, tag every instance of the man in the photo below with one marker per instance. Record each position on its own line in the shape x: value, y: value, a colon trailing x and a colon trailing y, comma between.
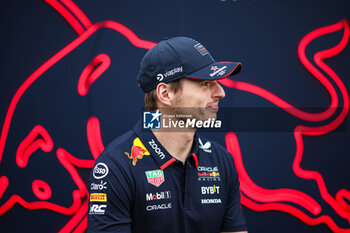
x: 170, y: 181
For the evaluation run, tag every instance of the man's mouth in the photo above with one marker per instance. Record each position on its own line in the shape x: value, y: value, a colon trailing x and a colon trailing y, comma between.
x: 213, y: 107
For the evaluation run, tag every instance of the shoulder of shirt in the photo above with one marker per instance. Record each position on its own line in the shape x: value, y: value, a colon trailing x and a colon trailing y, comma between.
x: 117, y: 147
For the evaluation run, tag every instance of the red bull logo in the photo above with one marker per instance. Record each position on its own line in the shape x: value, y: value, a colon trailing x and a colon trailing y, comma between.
x: 293, y: 201
x: 138, y: 150
x: 214, y: 174
x: 42, y: 147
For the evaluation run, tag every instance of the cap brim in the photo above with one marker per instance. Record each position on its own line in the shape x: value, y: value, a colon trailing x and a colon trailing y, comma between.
x: 216, y: 70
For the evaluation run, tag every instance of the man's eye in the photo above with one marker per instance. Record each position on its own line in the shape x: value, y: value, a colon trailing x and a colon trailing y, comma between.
x: 205, y: 83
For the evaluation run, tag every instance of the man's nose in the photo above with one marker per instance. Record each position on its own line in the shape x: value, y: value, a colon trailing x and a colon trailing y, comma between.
x: 218, y: 91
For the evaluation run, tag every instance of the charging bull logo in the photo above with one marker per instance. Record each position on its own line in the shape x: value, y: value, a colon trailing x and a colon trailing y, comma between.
x: 311, y: 208
x: 45, y: 152
x: 138, y: 150
x: 41, y: 152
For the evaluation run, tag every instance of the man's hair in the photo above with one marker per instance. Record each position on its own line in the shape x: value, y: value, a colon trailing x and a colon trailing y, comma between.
x: 150, y: 99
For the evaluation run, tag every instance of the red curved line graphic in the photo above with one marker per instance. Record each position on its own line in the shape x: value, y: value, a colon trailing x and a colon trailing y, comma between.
x: 313, y: 117
x: 82, y: 226
x: 340, y: 196
x: 31, y: 143
x: 76, y: 219
x: 260, y: 194
x: 293, y: 211
x: 243, y: 86
x: 67, y: 15
x: 4, y: 183
x: 41, y: 189
x: 300, y: 130
x: 144, y: 44
x: 251, y: 189
x: 53, y: 60
x: 93, y: 132
x: 78, y: 13
x: 92, y: 72
x: 43, y: 204
x: 83, y: 163
x: 67, y: 160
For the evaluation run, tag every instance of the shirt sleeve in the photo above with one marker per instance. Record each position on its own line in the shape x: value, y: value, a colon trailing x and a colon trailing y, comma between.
x: 233, y: 220
x: 110, y: 197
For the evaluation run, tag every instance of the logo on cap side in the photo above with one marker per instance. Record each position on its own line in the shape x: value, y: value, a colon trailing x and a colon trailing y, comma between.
x: 217, y: 72
x: 160, y: 77
x: 171, y: 72
x: 201, y: 49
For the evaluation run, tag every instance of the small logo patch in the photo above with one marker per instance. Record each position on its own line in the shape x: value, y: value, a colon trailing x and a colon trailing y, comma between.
x: 155, y: 177
x: 97, y: 209
x: 138, y: 150
x: 160, y: 77
x: 98, y: 197
x: 205, y: 147
x: 218, y: 71
x: 201, y: 49
x: 100, y: 171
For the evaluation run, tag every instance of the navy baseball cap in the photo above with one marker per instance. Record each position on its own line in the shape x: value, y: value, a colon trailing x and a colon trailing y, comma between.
x: 181, y: 57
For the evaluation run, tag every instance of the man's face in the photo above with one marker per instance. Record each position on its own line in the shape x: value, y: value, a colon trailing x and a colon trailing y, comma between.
x: 199, y: 98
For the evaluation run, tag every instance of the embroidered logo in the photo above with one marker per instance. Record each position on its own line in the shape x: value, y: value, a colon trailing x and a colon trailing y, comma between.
x: 138, y: 150
x: 205, y: 147
x: 155, y: 177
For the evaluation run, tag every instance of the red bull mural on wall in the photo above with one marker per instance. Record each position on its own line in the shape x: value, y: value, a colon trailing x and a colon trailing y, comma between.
x: 40, y: 141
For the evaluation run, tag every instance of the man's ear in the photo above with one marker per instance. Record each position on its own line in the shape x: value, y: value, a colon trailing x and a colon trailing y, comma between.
x: 164, y: 94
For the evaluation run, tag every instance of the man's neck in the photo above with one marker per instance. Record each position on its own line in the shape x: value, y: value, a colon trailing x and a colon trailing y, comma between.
x: 178, y: 144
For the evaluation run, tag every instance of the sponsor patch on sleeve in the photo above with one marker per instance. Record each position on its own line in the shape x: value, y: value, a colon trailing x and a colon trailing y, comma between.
x: 98, y: 197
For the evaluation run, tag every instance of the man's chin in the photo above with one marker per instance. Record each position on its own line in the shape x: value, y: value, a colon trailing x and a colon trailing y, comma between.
x: 208, y: 116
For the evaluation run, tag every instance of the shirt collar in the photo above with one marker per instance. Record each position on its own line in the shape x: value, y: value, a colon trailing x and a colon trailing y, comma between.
x: 158, y: 152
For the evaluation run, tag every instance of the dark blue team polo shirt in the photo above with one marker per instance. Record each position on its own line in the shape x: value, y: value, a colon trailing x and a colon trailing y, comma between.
x: 137, y: 186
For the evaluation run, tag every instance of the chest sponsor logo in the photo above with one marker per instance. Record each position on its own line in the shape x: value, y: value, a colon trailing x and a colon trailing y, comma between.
x: 155, y: 177
x: 207, y: 169
x: 210, y: 189
x: 158, y: 196
x: 158, y: 207
x: 156, y: 149
x: 205, y: 147
x: 138, y: 150
x: 100, y: 186
x: 208, y: 173
x: 100, y: 171
x: 211, y: 201
x: 98, y: 197
x: 97, y: 209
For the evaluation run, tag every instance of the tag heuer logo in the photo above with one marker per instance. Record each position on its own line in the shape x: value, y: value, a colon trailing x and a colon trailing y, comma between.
x: 155, y: 177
